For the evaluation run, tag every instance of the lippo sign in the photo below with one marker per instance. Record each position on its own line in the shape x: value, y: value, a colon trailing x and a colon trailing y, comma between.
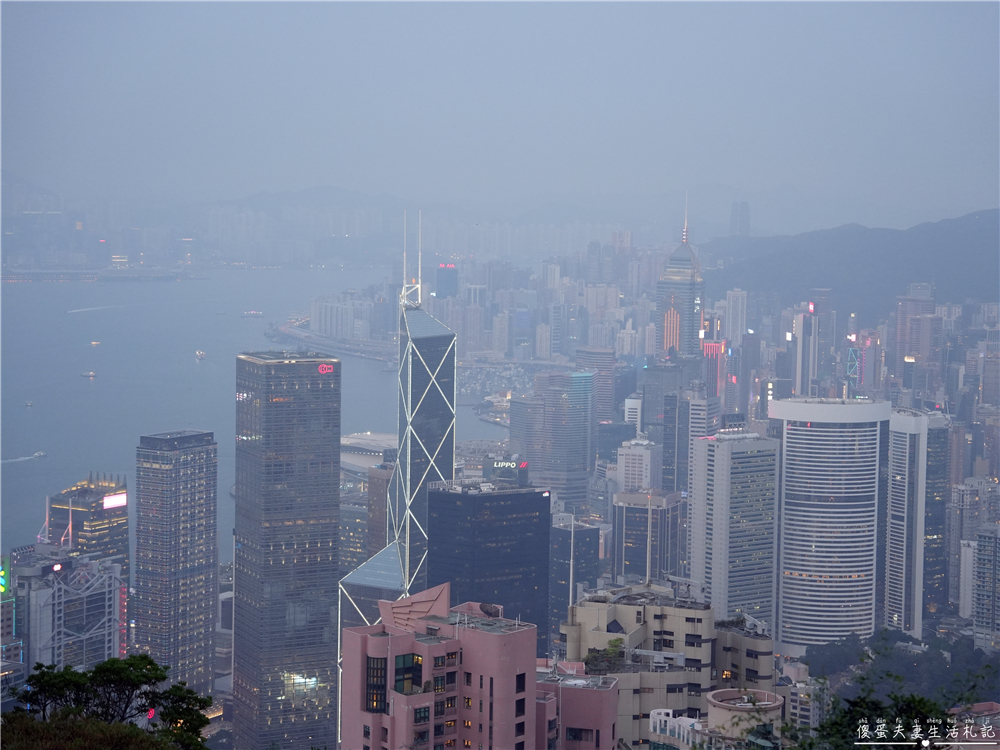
x: 325, y: 369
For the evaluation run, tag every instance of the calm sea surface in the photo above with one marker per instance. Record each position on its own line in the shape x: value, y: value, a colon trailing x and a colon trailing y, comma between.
x: 147, y: 378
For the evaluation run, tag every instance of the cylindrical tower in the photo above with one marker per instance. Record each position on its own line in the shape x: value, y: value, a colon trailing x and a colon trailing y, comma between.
x: 832, y: 519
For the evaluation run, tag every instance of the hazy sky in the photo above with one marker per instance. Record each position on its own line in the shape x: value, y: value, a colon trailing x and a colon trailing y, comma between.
x: 885, y: 114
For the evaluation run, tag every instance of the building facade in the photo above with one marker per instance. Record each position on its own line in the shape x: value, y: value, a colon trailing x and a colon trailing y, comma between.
x: 427, y: 381
x: 490, y: 541
x: 286, y: 557
x: 733, y: 522
x: 986, y: 589
x: 70, y: 609
x: 91, y: 518
x: 673, y: 653
x: 569, y: 436
x: 177, y: 553
x: 648, y: 531
x: 460, y: 677
x: 832, y: 520
x: 680, y: 296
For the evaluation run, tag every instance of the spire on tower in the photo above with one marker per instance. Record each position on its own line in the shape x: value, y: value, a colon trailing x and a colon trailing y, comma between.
x: 684, y: 234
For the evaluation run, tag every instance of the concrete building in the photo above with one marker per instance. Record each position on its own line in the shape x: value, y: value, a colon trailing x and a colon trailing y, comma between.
x: 633, y: 411
x: 177, y: 553
x: 733, y: 521
x: 461, y: 677
x: 831, y: 556
x: 70, y: 609
x: 904, y: 522
x: 736, y: 316
x: 286, y: 558
x: 973, y: 504
x: 640, y: 465
x: 986, y: 589
x: 674, y: 653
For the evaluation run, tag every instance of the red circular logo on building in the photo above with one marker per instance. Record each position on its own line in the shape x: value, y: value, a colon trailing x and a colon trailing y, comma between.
x: 325, y: 369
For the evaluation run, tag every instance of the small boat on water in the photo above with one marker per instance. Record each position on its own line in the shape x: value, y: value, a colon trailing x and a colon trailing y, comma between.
x: 27, y: 403
x: 39, y: 454
x: 253, y: 314
x: 95, y: 343
x: 90, y: 374
x: 199, y: 354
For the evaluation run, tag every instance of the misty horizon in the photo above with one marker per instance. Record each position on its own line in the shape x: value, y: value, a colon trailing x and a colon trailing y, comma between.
x: 816, y: 115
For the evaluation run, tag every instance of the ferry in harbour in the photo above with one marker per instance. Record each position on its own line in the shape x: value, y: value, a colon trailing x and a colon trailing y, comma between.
x: 90, y: 374
x: 199, y: 354
x: 253, y: 314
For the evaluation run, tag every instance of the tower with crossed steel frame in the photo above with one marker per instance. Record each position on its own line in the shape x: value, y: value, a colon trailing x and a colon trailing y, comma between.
x: 426, y: 453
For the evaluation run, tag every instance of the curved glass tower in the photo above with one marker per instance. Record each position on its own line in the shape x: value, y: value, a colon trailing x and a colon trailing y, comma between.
x: 834, y: 472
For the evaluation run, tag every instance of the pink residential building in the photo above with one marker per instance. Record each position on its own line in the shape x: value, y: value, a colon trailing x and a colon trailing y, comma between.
x: 434, y: 677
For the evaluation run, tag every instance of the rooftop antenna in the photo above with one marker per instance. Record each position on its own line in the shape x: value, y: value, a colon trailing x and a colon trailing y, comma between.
x: 684, y: 234
x: 410, y: 296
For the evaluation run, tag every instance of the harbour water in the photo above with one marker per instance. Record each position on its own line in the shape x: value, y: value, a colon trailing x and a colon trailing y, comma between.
x: 139, y: 339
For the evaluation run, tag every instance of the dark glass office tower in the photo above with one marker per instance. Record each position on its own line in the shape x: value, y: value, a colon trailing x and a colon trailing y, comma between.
x: 490, y: 541
x: 286, y: 556
x: 574, y: 558
x: 177, y: 553
x: 426, y: 434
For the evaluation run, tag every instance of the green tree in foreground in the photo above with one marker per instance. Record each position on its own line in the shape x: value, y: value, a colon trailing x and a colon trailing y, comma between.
x: 77, y: 705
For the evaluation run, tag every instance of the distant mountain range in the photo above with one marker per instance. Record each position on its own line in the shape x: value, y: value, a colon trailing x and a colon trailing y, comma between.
x: 865, y: 269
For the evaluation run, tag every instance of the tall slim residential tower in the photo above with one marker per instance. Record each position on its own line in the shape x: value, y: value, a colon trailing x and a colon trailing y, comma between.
x: 91, y: 518
x: 916, y: 555
x: 286, y: 557
x: 736, y: 316
x: 832, y: 510
x: 177, y: 553
x: 733, y: 522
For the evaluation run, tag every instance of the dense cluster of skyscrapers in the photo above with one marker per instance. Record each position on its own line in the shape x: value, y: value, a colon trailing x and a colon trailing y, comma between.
x: 707, y: 480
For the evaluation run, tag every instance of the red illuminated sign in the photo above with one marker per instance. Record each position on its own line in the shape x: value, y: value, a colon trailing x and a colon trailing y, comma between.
x: 325, y: 369
x: 524, y: 465
x: 812, y: 307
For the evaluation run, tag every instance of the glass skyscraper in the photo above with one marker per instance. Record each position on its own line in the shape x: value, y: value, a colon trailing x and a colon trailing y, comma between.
x: 426, y: 434
x: 177, y: 553
x: 286, y: 550
x: 680, y: 294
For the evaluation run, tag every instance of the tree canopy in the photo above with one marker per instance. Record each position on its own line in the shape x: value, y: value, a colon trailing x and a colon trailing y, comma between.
x: 104, y: 702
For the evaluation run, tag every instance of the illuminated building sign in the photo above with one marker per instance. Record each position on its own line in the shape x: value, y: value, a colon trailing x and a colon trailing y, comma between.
x: 505, y: 464
x: 325, y: 369
x: 116, y: 500
x: 812, y: 307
